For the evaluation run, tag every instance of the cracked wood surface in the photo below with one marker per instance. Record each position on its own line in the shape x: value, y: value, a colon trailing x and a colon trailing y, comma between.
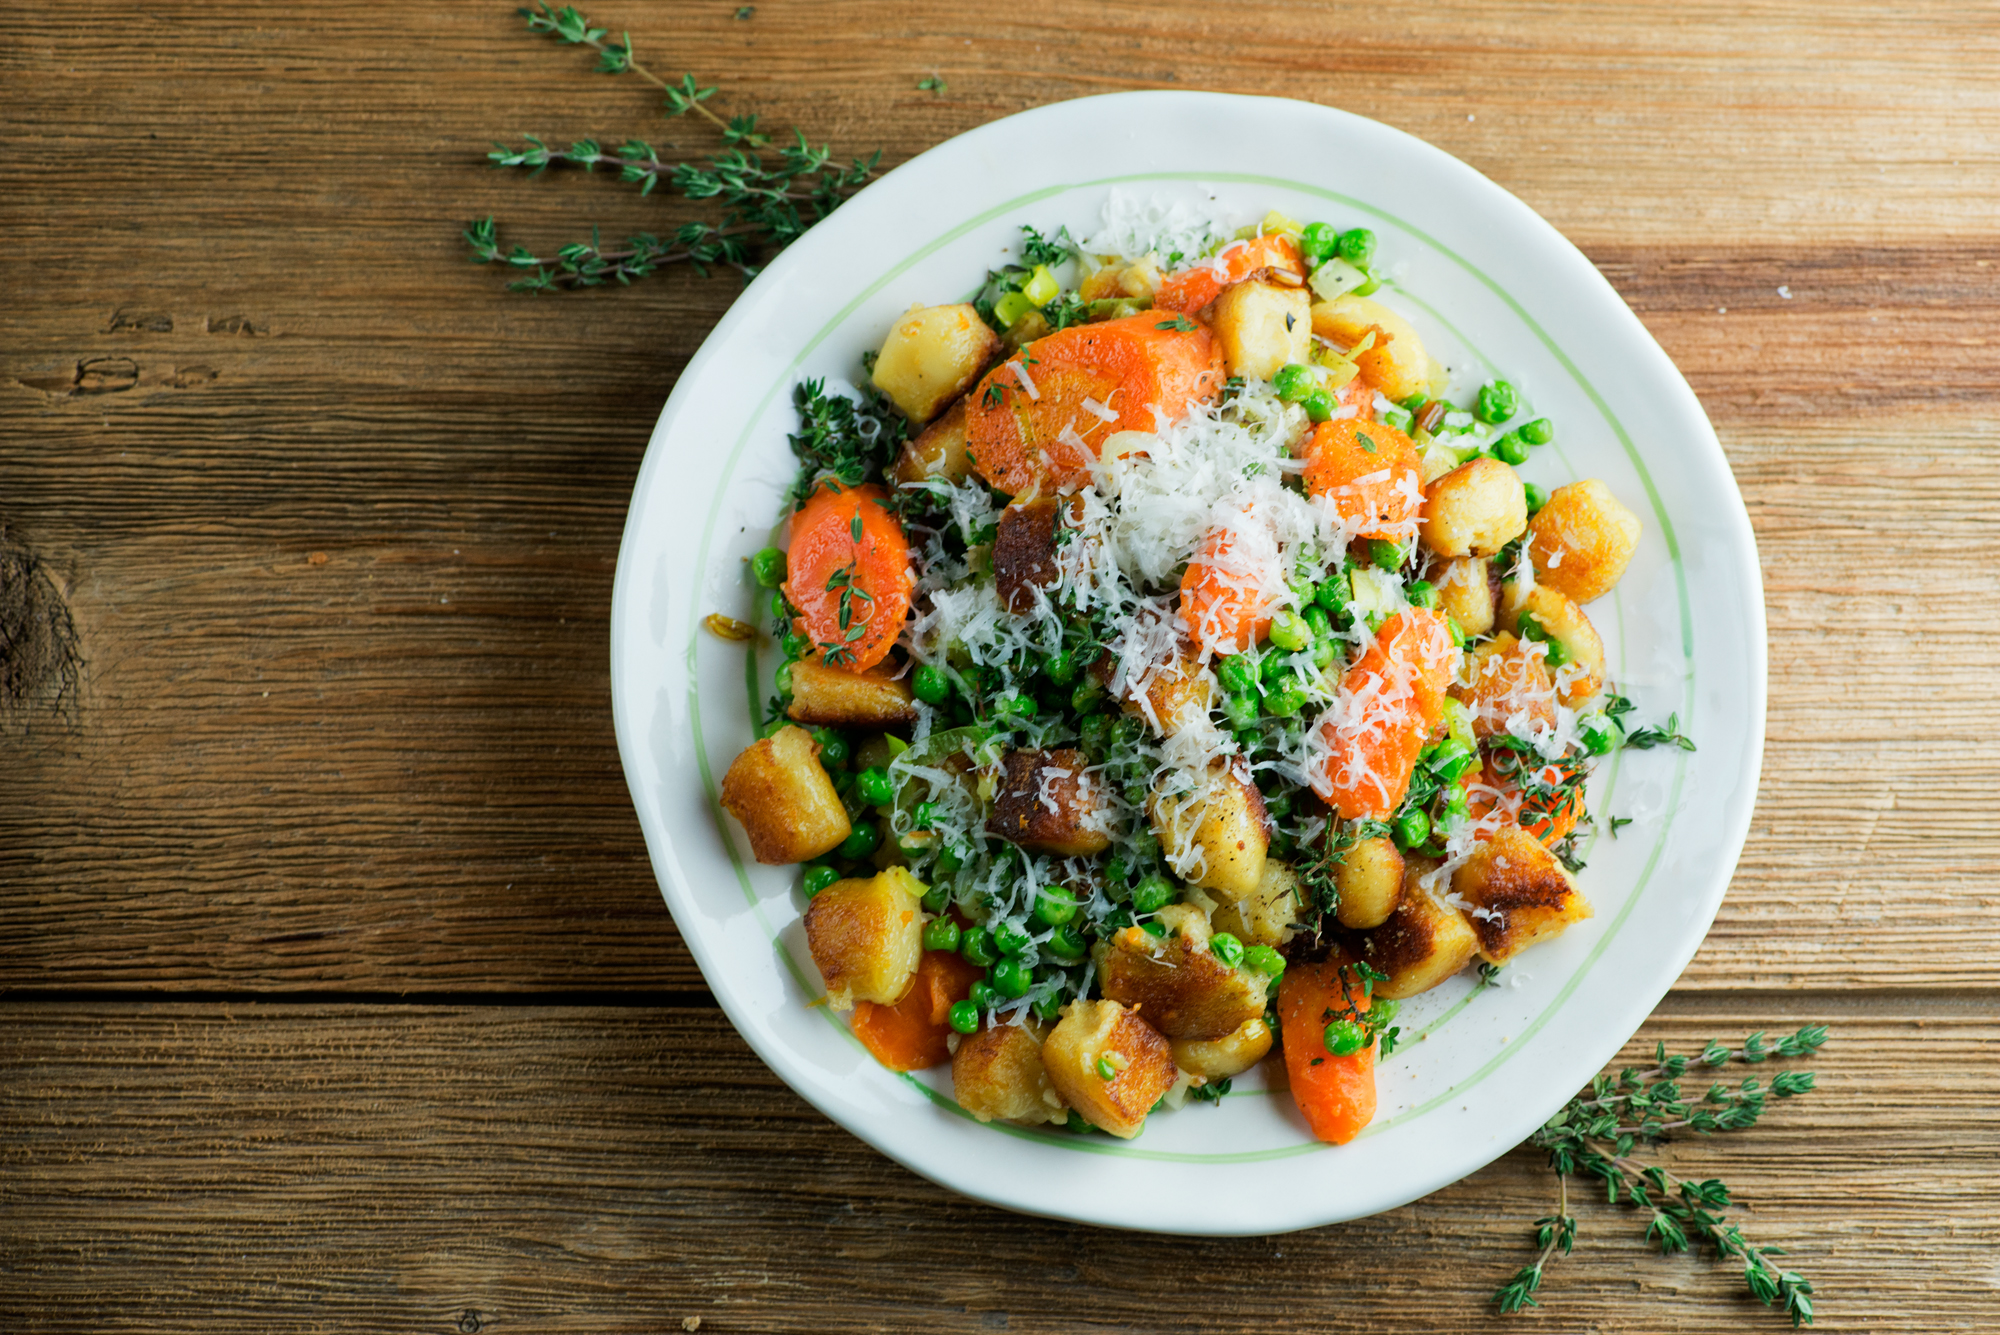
x: 332, y: 521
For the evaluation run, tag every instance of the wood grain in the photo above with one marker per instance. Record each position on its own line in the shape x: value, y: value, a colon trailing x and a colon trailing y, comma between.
x: 334, y: 519
x: 557, y: 1169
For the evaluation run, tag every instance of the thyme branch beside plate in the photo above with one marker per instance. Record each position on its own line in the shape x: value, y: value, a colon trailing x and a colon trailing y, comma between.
x: 769, y: 198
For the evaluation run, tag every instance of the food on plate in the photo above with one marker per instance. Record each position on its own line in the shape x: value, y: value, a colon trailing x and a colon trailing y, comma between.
x: 1177, y: 676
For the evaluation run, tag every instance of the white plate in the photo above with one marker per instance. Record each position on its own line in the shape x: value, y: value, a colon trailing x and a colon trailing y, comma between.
x: 1483, y: 278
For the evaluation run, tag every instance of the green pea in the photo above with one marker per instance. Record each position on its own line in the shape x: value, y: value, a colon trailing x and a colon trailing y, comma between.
x: 782, y: 679
x: 1116, y: 870
x: 774, y: 727
x: 1264, y: 960
x: 1077, y: 1124
x: 1012, y: 979
x: 1249, y: 739
x: 1511, y: 449
x: 1105, y: 1070
x: 1319, y: 405
x: 1412, y: 828
x: 925, y: 816
x: 1014, y: 706
x: 1293, y: 382
x: 1240, y: 708
x: 1318, y: 241
x: 1318, y: 621
x: 1416, y: 403
x: 1451, y: 759
x: 1048, y: 1007
x: 876, y: 788
x: 1334, y: 592
x: 1054, y: 906
x: 1385, y: 555
x: 1538, y: 432
x: 1152, y: 894
x: 860, y: 843
x: 1344, y: 1038
x: 1324, y: 651
x: 982, y: 994
x: 793, y: 645
x: 1397, y: 418
x: 1061, y: 667
x: 1290, y: 631
x: 1385, y: 1011
x: 1357, y: 246
x: 1273, y: 669
x: 833, y: 748
x: 1067, y: 943
x: 941, y: 934
x: 1285, y: 703
x: 818, y: 877
x: 976, y: 945
x: 781, y: 610
x: 1537, y: 497
x: 1235, y: 673
x: 1498, y: 401
x: 1598, y: 740
x: 930, y: 685
x: 768, y: 567
x: 965, y: 1016
x: 937, y: 896
x: 1226, y: 948
x: 1087, y: 693
x: 1421, y: 593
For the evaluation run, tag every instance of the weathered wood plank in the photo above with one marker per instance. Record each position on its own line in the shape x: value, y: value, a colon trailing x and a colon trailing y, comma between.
x: 336, y: 1168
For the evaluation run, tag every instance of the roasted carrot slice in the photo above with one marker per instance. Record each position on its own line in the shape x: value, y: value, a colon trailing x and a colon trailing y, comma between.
x: 913, y: 1034
x: 1389, y: 702
x: 1371, y: 472
x: 1224, y: 602
x: 1047, y: 410
x: 1337, y: 1094
x: 850, y: 575
x: 1192, y: 288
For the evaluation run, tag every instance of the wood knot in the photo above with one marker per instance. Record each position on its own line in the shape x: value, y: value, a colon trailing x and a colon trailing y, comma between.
x: 41, y: 656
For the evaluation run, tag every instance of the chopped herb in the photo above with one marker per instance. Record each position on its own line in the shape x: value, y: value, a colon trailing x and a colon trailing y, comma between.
x: 934, y: 84
x: 1179, y: 323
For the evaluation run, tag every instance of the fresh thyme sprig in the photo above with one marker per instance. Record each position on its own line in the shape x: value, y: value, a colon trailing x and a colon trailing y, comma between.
x: 1596, y: 1132
x: 767, y: 204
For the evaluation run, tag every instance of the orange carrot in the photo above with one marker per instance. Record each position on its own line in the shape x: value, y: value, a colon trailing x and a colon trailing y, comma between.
x: 1372, y: 472
x: 1359, y: 395
x: 849, y: 567
x: 1337, y: 1094
x: 1549, y: 820
x: 1193, y: 288
x: 1389, y: 703
x: 1507, y: 683
x: 1046, y: 411
x: 1222, y: 595
x: 913, y: 1033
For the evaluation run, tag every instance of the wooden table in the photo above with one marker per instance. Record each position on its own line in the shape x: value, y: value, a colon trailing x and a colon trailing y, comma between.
x: 338, y: 993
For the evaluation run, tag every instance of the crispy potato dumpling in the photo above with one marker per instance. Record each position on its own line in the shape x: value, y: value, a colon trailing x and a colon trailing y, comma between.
x: 1183, y: 990
x: 1137, y: 1065
x: 1268, y: 915
x: 1048, y: 804
x: 1466, y: 595
x: 1520, y: 894
x: 1024, y: 551
x: 1215, y: 839
x: 1474, y: 510
x: 867, y: 937
x: 1582, y: 675
x: 932, y: 356
x: 830, y: 696
x: 1423, y: 943
x: 998, y: 1073
x: 936, y: 451
x: 1176, y: 698
x: 1509, y: 684
x: 780, y: 792
x: 1582, y: 540
x: 1397, y: 363
x: 1370, y: 880
x: 1262, y: 326
x: 1220, y: 1058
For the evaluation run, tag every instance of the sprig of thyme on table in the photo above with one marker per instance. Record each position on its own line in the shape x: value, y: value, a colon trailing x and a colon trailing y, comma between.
x: 767, y: 202
x: 1595, y: 1133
